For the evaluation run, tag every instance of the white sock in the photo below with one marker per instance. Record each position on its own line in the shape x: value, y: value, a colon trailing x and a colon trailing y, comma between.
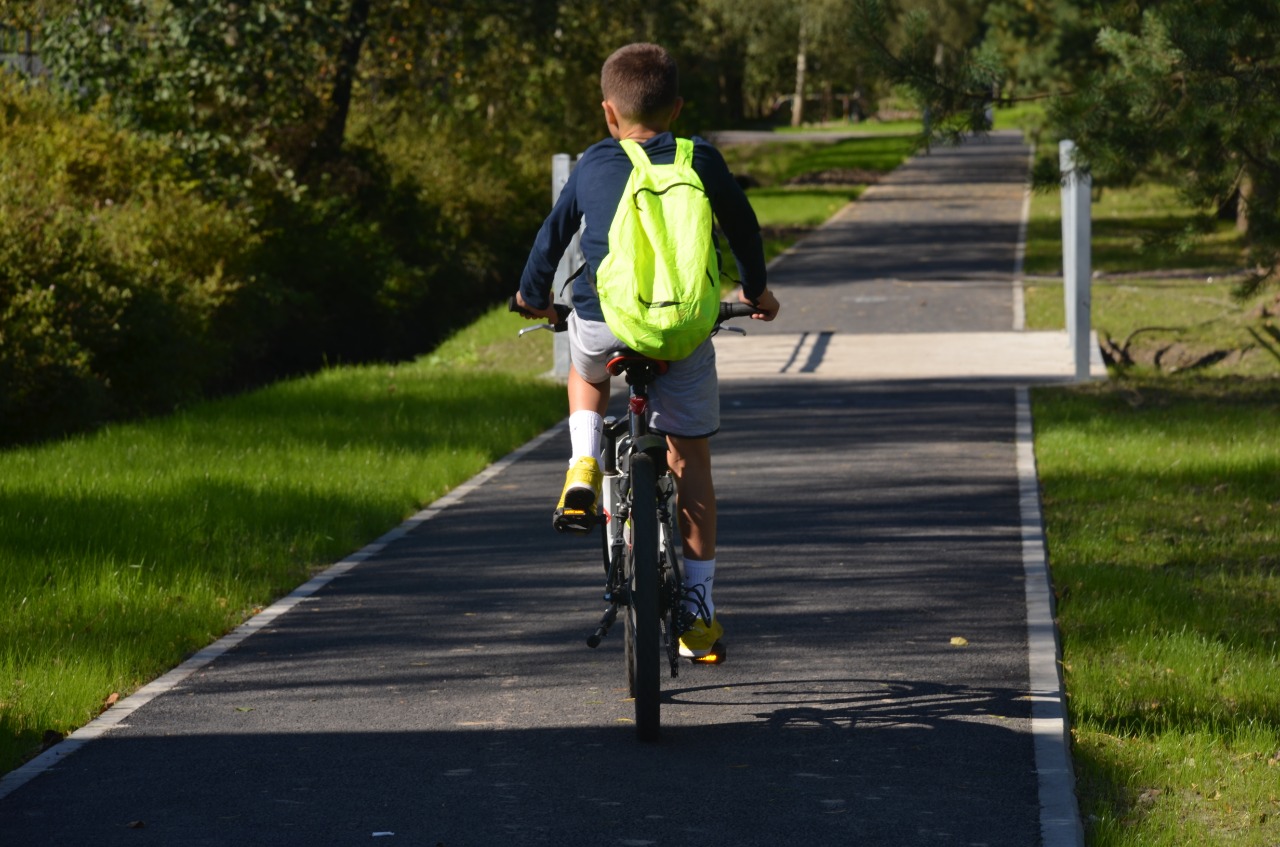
x: 585, y: 434
x: 701, y: 573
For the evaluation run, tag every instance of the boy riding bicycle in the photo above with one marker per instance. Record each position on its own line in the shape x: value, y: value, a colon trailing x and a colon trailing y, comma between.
x: 641, y: 100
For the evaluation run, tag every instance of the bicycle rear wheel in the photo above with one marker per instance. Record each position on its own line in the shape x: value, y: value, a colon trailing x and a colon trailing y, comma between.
x: 642, y: 621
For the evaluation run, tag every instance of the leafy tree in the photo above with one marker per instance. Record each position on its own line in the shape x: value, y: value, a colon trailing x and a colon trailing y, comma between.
x: 953, y: 81
x: 1042, y: 46
x: 243, y: 89
x: 1180, y: 90
x: 768, y: 50
x: 1191, y: 92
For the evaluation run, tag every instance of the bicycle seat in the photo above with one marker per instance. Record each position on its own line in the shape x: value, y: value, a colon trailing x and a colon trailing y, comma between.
x: 623, y: 360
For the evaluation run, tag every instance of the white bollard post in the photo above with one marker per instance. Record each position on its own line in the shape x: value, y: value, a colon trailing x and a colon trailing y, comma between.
x: 1077, y: 265
x: 561, y: 165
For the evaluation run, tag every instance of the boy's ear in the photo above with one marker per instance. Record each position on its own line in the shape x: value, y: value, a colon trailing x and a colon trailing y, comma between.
x: 611, y: 118
x: 675, y: 113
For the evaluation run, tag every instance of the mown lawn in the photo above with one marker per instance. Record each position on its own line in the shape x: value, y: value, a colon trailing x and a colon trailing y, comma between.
x: 1161, y: 493
x: 1162, y: 512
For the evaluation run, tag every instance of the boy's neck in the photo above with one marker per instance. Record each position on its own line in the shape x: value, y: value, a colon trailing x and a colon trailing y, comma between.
x: 639, y: 134
x: 625, y: 129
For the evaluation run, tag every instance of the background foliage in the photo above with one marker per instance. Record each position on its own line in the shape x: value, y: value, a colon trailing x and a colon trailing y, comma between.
x: 348, y: 180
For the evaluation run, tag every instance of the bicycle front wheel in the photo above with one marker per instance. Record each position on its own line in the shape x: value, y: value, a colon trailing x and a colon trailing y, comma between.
x: 642, y: 621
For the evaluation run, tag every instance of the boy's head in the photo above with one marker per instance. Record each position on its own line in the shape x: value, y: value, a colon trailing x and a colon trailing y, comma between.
x: 641, y: 83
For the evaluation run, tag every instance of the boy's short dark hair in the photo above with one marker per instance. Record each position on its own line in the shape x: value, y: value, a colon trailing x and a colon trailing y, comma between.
x: 641, y: 81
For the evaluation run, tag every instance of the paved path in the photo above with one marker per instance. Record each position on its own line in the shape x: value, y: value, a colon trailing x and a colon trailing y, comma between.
x: 437, y: 687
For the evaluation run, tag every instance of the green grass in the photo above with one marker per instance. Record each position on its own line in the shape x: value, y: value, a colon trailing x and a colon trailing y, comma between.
x: 787, y: 212
x: 868, y: 127
x: 1161, y: 287
x: 1162, y: 510
x: 774, y: 163
x: 1135, y: 229
x: 123, y: 552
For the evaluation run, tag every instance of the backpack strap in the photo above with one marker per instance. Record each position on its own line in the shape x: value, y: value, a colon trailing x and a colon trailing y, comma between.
x: 684, y: 152
x: 639, y: 158
x: 635, y: 153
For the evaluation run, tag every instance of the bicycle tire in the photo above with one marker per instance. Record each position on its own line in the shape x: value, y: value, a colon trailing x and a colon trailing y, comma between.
x: 642, y: 620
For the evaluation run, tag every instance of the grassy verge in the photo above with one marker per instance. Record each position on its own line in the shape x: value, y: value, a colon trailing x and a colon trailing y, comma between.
x: 798, y: 185
x: 123, y: 552
x: 1162, y: 508
x: 1135, y: 229
x: 1161, y: 502
x: 1163, y: 299
x: 867, y: 127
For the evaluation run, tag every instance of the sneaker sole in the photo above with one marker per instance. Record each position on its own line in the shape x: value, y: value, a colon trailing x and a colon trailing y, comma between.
x: 579, y: 499
x: 714, y: 656
x: 577, y: 513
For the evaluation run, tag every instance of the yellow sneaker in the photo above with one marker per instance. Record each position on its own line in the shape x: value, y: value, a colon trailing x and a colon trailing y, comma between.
x: 700, y: 638
x: 576, y: 511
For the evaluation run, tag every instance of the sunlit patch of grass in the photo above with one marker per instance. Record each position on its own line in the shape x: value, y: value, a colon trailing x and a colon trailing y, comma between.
x: 1135, y: 229
x: 787, y: 212
x: 774, y: 163
x: 1162, y: 510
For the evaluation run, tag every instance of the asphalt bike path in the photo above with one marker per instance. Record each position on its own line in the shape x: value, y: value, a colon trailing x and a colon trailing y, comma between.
x: 436, y: 688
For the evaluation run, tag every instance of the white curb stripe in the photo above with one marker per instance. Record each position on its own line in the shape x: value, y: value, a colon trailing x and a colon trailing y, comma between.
x: 1020, y: 252
x: 117, y: 714
x: 1059, y: 812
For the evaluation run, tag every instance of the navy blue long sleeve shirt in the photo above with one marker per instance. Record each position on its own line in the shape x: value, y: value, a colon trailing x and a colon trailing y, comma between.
x: 592, y: 193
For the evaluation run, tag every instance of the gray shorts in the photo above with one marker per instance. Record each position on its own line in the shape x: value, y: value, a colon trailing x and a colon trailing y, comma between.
x: 684, y: 402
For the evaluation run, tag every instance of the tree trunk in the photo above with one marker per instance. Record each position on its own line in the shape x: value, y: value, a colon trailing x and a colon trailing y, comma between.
x: 329, y: 142
x: 797, y: 102
x: 1242, y: 205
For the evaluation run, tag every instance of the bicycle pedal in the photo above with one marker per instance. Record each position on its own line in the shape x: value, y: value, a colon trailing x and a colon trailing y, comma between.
x: 715, y: 657
x: 575, y: 521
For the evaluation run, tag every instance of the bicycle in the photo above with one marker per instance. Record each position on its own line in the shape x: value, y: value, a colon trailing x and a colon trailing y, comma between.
x: 638, y: 515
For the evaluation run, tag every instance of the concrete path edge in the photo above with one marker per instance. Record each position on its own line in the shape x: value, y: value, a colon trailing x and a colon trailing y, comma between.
x: 1060, y: 824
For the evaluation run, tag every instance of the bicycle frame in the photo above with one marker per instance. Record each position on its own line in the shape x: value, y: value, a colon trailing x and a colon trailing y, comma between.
x: 623, y: 439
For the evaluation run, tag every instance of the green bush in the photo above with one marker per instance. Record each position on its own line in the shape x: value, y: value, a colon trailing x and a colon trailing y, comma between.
x: 126, y: 289
x: 117, y: 280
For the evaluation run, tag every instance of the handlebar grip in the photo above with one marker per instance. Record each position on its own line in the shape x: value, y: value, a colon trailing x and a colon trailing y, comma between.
x: 562, y: 310
x: 730, y: 309
x: 514, y: 306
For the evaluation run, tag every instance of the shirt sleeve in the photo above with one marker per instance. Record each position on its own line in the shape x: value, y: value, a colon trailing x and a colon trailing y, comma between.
x: 736, y: 217
x: 553, y: 239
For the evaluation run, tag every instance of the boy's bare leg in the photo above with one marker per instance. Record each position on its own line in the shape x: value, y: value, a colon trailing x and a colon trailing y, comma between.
x: 690, y: 462
x: 587, y: 396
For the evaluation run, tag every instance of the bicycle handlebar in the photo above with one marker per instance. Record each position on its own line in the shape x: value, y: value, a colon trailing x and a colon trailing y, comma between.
x: 728, y: 311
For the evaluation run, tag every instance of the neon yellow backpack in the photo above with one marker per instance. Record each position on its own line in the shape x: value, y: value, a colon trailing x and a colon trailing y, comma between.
x: 659, y: 287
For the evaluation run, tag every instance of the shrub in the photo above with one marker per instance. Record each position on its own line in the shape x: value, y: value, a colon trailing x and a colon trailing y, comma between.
x: 117, y: 279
